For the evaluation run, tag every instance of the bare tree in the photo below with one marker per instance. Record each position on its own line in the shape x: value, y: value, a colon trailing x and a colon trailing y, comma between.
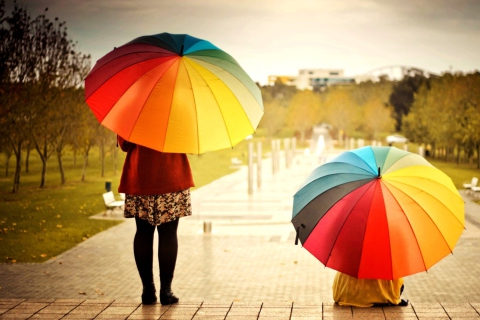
x: 16, y: 71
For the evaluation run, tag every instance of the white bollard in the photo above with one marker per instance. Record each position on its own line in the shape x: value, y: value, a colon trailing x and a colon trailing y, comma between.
x: 259, y: 164
x: 250, y: 168
x: 207, y: 227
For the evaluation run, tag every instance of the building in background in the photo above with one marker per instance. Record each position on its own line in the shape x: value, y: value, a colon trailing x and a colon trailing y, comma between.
x: 319, y: 79
x: 314, y: 79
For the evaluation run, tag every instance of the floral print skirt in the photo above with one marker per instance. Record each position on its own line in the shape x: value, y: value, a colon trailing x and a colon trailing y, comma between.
x: 159, y: 208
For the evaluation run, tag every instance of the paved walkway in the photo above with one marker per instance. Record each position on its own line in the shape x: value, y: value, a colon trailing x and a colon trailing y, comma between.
x: 247, y: 266
x: 110, y: 309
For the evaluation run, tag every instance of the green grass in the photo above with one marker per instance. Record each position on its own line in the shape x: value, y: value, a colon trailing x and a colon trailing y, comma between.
x: 459, y: 173
x: 38, y: 224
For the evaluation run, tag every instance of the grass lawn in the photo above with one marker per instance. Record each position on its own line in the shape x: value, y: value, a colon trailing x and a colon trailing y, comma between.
x: 38, y: 224
x: 459, y: 173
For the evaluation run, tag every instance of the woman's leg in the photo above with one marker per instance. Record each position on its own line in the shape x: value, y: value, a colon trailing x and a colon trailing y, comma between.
x: 143, y: 251
x: 167, y: 258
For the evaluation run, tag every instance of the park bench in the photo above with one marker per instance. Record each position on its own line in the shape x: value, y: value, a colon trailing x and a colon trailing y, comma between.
x: 469, y: 186
x: 111, y: 203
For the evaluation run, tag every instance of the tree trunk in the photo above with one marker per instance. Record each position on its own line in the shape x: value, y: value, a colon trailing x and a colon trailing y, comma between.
x: 302, y: 136
x: 102, y: 155
x: 27, y: 159
x: 60, y: 168
x: 84, y: 170
x: 18, y: 166
x: 8, y: 154
x: 43, y: 156
x: 478, y: 156
x: 85, y: 163
x: 43, y: 173
x: 115, y: 160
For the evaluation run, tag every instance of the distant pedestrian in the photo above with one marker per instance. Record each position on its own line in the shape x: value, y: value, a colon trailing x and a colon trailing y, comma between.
x: 350, y: 291
x: 157, y: 187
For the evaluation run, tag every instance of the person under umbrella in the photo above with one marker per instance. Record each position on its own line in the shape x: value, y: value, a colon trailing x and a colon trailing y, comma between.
x: 157, y: 187
x: 377, y: 213
x: 350, y: 291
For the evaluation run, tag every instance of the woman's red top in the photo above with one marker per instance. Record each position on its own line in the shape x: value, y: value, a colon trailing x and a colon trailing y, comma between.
x: 149, y: 172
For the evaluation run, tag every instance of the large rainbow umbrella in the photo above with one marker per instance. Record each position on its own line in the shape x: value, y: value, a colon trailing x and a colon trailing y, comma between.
x: 378, y: 213
x: 174, y: 93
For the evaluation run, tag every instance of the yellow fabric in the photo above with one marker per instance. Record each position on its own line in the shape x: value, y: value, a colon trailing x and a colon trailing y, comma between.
x: 350, y: 291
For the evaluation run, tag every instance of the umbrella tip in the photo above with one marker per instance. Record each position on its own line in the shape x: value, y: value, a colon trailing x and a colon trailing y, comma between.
x: 379, y: 174
x: 181, y: 51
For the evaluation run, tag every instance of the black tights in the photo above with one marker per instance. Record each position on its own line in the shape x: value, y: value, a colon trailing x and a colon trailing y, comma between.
x: 167, y: 249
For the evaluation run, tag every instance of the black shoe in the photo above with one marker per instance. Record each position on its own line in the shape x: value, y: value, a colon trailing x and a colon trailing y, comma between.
x: 403, y: 303
x: 167, y: 297
x: 149, y: 296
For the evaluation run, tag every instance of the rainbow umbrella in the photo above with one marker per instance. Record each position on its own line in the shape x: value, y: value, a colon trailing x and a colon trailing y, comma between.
x: 378, y: 213
x: 174, y: 93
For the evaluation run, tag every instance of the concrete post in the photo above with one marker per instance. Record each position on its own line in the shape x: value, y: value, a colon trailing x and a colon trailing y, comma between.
x: 277, y: 158
x: 352, y: 143
x: 294, y: 148
x: 421, y: 151
x: 286, y: 146
x: 274, y: 145
x: 259, y: 165
x: 250, y: 168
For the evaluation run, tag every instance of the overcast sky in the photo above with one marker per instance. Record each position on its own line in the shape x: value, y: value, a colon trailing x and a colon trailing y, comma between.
x: 279, y: 37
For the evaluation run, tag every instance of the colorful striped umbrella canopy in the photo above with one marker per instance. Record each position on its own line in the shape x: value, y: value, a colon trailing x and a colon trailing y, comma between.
x: 378, y: 213
x: 174, y: 93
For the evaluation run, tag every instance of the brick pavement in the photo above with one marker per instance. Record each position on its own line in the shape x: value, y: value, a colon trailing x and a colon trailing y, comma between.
x: 112, y: 309
x: 249, y: 259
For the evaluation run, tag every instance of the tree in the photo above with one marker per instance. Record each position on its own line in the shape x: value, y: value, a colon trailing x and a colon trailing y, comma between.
x: 86, y: 134
x: 39, y: 63
x: 58, y: 68
x: 105, y: 139
x: 16, y: 71
x: 377, y: 118
x: 274, y: 118
x: 302, y: 112
x: 342, y: 111
x: 402, y: 96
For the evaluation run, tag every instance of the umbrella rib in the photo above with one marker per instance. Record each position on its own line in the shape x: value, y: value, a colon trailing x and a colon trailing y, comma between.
x: 446, y: 243
x: 365, y: 177
x: 196, y: 110
x: 240, y: 80
x: 343, y: 224
x: 143, y: 106
x: 223, y: 117
x: 106, y: 66
x: 411, y: 228
x: 422, y: 190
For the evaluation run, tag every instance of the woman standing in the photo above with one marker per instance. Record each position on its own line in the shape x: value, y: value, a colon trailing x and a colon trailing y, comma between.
x: 157, y: 187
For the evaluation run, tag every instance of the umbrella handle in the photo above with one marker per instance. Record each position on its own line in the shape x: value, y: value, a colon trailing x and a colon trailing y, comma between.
x: 298, y: 233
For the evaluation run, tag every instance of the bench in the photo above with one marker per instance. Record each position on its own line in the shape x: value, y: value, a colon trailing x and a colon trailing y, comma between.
x: 110, y: 202
x: 470, y: 186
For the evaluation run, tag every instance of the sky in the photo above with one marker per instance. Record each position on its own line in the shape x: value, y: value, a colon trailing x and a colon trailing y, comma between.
x: 280, y: 37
